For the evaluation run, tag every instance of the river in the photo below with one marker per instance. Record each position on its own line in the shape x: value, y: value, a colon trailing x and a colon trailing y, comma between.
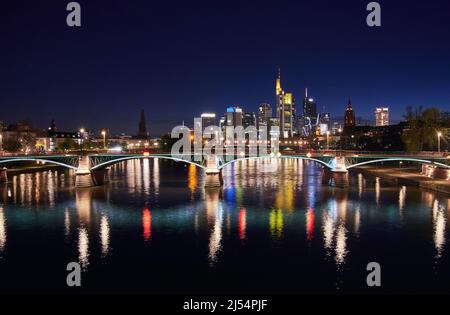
x: 273, y: 228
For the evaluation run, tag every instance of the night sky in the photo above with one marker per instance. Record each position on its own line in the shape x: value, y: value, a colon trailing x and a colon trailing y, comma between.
x: 177, y: 59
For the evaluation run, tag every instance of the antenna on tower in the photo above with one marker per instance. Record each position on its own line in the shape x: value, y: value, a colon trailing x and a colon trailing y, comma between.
x: 306, y: 92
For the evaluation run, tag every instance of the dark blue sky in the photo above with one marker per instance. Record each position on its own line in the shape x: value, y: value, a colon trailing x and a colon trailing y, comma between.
x: 177, y: 59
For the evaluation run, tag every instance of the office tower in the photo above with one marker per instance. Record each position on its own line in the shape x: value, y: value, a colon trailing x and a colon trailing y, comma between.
x: 309, y: 107
x: 249, y: 119
x: 285, y: 109
x: 382, y: 116
x: 264, y: 114
x: 208, y: 120
x: 233, y: 116
x: 324, y: 123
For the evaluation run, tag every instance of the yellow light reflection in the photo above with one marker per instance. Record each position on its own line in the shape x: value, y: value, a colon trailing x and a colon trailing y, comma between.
x: 276, y: 222
x: 192, y: 178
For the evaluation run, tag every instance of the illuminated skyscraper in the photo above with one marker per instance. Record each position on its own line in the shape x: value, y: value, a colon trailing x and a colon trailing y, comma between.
x: 233, y: 116
x: 285, y: 109
x: 264, y: 114
x: 382, y: 116
x: 249, y: 119
x: 208, y: 120
x: 309, y: 107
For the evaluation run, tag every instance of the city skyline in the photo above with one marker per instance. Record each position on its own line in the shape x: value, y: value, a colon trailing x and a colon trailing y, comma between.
x: 224, y: 155
x: 146, y: 62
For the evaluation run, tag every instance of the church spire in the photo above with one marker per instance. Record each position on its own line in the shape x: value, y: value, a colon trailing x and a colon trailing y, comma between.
x: 143, y: 134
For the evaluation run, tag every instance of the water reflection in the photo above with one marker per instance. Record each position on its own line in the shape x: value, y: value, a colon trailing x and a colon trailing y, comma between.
x: 146, y: 224
x: 66, y: 222
x: 309, y: 224
x: 214, y: 213
x: 360, y: 184
x: 2, y: 231
x: 36, y: 189
x: 83, y: 247
x: 288, y: 208
x: 402, y: 198
x: 242, y: 223
x: 192, y: 179
x: 83, y: 203
x: 377, y: 190
x: 104, y: 235
x: 439, y: 223
x: 276, y: 223
x: 334, y: 227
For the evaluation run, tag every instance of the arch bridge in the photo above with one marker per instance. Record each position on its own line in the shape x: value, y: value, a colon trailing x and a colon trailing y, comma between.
x: 91, y: 169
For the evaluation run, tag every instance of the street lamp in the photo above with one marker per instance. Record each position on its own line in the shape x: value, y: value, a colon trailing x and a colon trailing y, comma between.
x: 104, y: 139
x: 439, y: 134
x: 328, y: 140
x: 81, y: 138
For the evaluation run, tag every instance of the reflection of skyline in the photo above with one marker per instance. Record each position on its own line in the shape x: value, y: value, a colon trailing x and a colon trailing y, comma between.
x: 36, y: 189
x: 286, y: 206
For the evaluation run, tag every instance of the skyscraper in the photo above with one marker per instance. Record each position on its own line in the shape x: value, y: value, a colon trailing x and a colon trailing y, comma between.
x: 285, y: 109
x: 233, y: 116
x: 309, y: 106
x: 142, y: 134
x: 208, y: 120
x: 264, y: 114
x: 382, y: 116
x: 349, y: 117
x: 249, y: 119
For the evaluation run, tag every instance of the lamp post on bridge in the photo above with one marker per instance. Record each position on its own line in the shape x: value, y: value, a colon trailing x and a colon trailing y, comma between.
x: 81, y: 139
x: 340, y: 140
x: 439, y: 135
x: 328, y: 140
x: 104, y: 139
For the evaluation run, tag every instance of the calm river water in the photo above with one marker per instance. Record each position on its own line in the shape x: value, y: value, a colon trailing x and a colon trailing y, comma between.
x: 154, y: 229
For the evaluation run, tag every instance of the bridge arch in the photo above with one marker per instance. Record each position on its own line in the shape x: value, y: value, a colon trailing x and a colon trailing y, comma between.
x: 398, y: 159
x: 32, y: 159
x: 277, y: 157
x: 127, y: 158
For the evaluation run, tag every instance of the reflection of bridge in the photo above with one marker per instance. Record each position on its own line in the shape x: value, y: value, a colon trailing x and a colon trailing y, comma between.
x: 91, y: 169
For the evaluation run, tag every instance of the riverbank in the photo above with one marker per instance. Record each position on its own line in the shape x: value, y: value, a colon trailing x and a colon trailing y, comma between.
x: 406, y: 177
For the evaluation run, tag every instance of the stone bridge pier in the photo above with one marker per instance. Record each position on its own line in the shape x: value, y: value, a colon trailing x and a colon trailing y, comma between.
x: 338, y: 175
x: 85, y: 177
x: 213, y: 175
